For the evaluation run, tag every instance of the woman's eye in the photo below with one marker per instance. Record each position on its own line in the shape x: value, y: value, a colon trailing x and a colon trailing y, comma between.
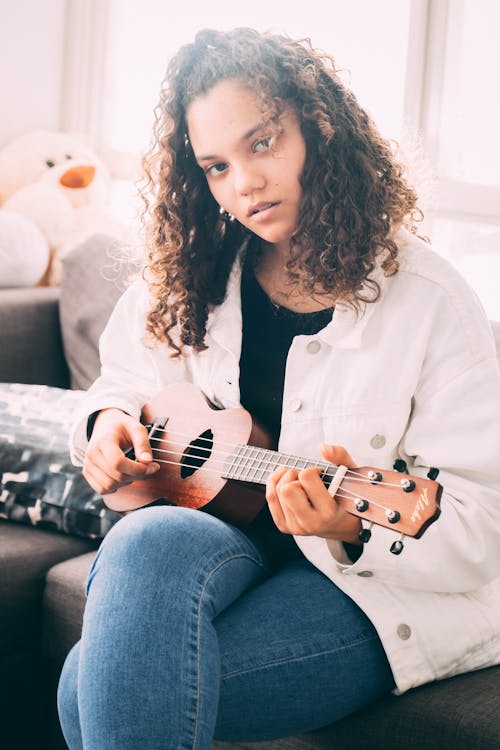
x: 216, y: 169
x: 263, y: 144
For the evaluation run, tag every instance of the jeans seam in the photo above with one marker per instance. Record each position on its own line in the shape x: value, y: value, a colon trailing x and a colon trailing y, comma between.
x: 260, y: 564
x: 291, y: 660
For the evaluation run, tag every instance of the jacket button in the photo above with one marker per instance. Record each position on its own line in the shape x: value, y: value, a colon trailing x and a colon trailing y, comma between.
x: 296, y: 404
x: 378, y: 441
x: 313, y: 347
x: 365, y: 573
x: 404, y: 631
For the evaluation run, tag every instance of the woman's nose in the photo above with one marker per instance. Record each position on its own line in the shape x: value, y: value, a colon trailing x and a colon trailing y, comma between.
x: 248, y: 179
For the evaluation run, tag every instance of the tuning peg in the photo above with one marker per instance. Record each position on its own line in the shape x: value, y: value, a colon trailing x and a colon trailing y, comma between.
x: 361, y: 504
x: 365, y: 534
x: 408, y: 485
x: 400, y: 465
x: 374, y: 476
x: 393, y: 516
x: 397, y: 547
x: 432, y: 473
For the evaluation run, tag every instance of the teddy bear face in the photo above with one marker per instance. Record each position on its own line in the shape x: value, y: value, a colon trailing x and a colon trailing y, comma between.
x: 53, y: 159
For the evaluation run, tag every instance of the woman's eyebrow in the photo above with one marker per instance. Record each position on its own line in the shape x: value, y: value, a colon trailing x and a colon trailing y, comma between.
x: 245, y: 137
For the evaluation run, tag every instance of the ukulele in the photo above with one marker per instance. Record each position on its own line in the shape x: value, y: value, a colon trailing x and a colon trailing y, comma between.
x: 207, y: 462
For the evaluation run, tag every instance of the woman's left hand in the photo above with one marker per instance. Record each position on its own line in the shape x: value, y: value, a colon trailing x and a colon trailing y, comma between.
x: 301, y: 505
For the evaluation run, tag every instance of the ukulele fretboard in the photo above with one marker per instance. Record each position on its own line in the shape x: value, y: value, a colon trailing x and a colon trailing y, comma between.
x: 250, y: 464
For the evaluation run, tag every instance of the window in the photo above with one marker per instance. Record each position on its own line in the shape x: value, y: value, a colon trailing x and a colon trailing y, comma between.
x: 460, y: 122
x: 420, y: 67
x: 143, y: 34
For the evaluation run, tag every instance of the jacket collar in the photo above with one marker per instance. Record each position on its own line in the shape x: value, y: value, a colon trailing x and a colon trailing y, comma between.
x: 345, y: 331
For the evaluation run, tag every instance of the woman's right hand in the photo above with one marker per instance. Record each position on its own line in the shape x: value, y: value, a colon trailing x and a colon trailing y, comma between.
x: 106, y: 467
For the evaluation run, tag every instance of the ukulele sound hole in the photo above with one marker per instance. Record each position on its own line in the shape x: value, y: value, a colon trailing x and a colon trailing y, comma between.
x: 197, y: 453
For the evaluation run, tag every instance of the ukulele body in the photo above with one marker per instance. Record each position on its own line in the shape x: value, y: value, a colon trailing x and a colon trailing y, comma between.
x: 195, y: 445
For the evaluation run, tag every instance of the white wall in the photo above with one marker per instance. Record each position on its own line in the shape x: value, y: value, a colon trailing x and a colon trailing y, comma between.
x: 31, y: 65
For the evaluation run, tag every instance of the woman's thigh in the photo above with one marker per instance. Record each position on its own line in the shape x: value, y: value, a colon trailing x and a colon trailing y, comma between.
x: 296, y: 654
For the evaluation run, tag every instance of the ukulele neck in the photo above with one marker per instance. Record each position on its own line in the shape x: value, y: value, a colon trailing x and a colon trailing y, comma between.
x: 255, y: 465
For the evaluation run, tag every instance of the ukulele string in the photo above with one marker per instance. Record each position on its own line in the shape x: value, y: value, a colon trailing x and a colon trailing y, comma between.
x: 262, y: 463
x: 348, y: 494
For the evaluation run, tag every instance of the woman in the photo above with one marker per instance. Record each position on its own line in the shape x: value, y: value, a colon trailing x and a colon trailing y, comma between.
x: 282, y: 276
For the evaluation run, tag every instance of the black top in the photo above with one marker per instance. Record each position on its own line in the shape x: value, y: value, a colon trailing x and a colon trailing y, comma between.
x: 268, y: 331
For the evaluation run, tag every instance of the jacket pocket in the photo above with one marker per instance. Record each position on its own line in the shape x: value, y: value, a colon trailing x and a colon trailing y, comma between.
x: 371, y: 433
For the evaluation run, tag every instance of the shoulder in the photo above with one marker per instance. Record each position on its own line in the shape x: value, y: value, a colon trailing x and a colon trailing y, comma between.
x: 425, y: 273
x: 426, y: 268
x: 428, y: 293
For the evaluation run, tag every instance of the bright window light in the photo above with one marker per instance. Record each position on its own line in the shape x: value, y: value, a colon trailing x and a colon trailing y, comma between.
x: 470, y: 118
x: 368, y: 39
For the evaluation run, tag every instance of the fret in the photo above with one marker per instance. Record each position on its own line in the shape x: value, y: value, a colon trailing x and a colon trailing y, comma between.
x: 245, y: 477
x: 258, y: 456
x: 254, y: 466
x: 233, y: 469
x: 264, y: 456
x: 305, y: 463
x: 327, y: 473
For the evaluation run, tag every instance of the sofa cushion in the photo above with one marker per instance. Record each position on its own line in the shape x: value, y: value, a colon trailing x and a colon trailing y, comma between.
x: 38, y: 483
x: 26, y: 555
x: 459, y: 713
x: 64, y: 602
x: 94, y: 276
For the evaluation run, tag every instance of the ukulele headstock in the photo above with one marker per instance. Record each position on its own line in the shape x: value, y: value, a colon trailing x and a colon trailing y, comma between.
x: 401, y: 502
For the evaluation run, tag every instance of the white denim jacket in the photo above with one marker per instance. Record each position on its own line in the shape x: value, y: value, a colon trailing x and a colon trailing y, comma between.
x: 415, y: 377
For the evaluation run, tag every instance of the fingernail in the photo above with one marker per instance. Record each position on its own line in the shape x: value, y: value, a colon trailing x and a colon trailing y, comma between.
x: 145, y: 456
x: 152, y: 468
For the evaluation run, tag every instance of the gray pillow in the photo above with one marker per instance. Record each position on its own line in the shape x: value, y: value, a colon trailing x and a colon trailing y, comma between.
x: 38, y: 483
x: 94, y: 276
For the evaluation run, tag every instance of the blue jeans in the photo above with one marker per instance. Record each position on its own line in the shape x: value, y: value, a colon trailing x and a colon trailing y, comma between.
x: 194, y: 629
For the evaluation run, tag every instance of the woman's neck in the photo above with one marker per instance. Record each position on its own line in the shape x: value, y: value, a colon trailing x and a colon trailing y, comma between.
x: 273, y: 276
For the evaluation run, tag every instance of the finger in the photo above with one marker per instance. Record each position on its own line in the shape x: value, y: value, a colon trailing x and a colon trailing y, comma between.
x: 273, y: 501
x: 272, y: 482
x: 337, y: 454
x: 100, y: 482
x: 295, y: 506
x: 320, y: 500
x: 139, y: 439
x: 313, y: 486
x: 325, y: 517
x: 114, y: 461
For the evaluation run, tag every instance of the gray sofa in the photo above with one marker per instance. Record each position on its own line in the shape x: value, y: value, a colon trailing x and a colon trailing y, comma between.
x: 42, y: 573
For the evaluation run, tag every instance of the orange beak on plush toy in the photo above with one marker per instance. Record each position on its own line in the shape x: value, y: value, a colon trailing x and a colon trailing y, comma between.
x: 77, y: 177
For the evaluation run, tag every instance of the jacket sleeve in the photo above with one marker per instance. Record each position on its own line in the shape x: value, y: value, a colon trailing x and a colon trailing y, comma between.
x: 454, y: 426
x: 132, y: 369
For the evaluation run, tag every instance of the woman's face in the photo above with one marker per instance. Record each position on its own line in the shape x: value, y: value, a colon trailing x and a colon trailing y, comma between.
x: 252, y: 167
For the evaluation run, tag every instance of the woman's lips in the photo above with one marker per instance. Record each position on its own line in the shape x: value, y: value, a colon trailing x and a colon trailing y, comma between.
x: 262, y: 211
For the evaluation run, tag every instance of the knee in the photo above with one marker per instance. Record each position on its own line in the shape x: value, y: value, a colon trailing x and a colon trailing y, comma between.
x: 163, y: 536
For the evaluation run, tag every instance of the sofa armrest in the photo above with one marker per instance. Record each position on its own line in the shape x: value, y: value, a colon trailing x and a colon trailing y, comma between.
x: 31, y: 349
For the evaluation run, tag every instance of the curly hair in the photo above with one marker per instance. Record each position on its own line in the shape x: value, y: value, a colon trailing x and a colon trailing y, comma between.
x: 354, y: 190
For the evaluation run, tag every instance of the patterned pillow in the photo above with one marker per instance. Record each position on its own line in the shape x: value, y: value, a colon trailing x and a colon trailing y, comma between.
x: 38, y: 483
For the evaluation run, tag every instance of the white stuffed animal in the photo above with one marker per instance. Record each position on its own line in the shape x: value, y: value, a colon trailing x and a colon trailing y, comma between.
x: 63, y: 187
x: 24, y: 251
